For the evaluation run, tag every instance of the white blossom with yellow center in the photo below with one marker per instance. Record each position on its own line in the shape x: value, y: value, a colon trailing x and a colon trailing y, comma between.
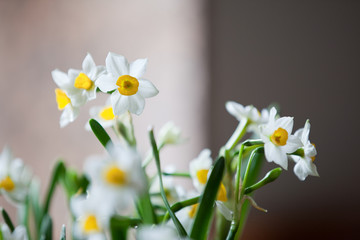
x: 104, y: 115
x: 305, y: 164
x: 64, y: 102
x: 200, y: 169
x: 118, y: 174
x: 130, y: 89
x: 19, y: 233
x: 278, y: 141
x: 15, y: 177
x: 92, y: 213
x: 84, y: 81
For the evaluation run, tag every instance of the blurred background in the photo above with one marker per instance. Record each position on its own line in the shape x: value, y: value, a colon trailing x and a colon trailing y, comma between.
x: 303, y: 55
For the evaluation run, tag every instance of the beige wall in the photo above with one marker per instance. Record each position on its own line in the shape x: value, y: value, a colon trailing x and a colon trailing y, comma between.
x: 37, y: 36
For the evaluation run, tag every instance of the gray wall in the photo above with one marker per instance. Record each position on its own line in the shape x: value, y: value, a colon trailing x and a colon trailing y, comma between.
x: 305, y: 56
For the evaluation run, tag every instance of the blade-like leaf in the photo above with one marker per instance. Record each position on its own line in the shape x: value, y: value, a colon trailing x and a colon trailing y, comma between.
x: 99, y: 132
x: 207, y: 201
x: 46, y: 228
x: 7, y: 219
x: 63, y: 233
x: 176, y: 221
x: 119, y: 226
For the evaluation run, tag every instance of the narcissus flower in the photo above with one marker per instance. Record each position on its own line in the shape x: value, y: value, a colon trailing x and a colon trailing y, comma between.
x: 170, y: 134
x: 92, y: 213
x: 103, y: 114
x: 278, y: 141
x: 305, y: 160
x: 240, y: 112
x: 84, y: 80
x: 119, y: 174
x: 15, y: 177
x: 70, y: 112
x: 130, y: 89
x: 199, y: 172
x: 157, y: 233
x: 19, y: 233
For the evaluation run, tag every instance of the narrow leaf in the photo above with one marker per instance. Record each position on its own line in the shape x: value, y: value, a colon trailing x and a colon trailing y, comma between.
x: 7, y: 219
x: 176, y: 221
x: 99, y: 132
x: 207, y: 201
x: 46, y: 228
x: 63, y: 233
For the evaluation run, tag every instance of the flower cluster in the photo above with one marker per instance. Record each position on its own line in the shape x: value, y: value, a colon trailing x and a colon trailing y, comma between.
x: 116, y: 196
x: 121, y: 78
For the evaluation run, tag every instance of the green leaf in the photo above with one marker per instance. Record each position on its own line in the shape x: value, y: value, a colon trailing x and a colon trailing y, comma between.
x: 63, y: 233
x: 100, y: 132
x: 269, y: 177
x: 145, y: 208
x: 46, y: 228
x: 58, y: 172
x: 7, y: 219
x: 176, y: 221
x: 119, y: 226
x: 207, y: 201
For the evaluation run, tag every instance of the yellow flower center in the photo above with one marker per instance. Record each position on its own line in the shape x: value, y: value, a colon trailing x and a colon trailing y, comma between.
x: 193, y: 210
x: 115, y: 176
x: 107, y: 113
x: 61, y: 98
x: 202, y: 175
x: 83, y: 81
x: 7, y: 184
x: 128, y: 85
x: 90, y: 224
x: 279, y: 137
x: 221, y: 196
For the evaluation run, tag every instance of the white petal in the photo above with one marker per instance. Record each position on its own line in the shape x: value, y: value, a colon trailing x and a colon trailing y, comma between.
x: 147, y: 89
x: 73, y: 74
x: 136, y: 104
x: 285, y: 123
x: 138, y: 68
x: 306, y: 132
x: 119, y: 103
x: 88, y: 65
x: 292, y: 144
x: 20, y: 233
x: 274, y: 154
x: 106, y: 83
x: 60, y: 78
x: 68, y: 115
x: 235, y: 109
x: 225, y: 211
x: 272, y: 116
x: 117, y: 64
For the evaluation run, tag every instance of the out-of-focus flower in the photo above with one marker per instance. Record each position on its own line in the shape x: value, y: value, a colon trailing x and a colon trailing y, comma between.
x: 19, y: 233
x: 240, y: 112
x: 305, y: 161
x: 170, y: 134
x: 126, y: 79
x: 15, y: 177
x: 278, y: 141
x: 199, y: 172
x: 84, y: 80
x: 119, y: 174
x: 103, y: 114
x: 70, y: 111
x: 157, y: 233
x: 92, y: 215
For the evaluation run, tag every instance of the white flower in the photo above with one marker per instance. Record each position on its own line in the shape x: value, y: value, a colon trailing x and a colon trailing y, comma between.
x: 200, y: 171
x: 126, y: 79
x: 15, y: 177
x: 70, y: 112
x: 83, y: 81
x: 278, y: 141
x: 170, y: 134
x: 240, y: 112
x: 119, y: 174
x: 92, y: 215
x: 103, y: 114
x: 157, y: 233
x: 305, y: 164
x: 19, y: 233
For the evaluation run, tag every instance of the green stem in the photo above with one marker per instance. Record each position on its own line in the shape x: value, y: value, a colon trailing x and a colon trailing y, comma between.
x: 176, y: 174
x: 150, y: 156
x: 180, y: 205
